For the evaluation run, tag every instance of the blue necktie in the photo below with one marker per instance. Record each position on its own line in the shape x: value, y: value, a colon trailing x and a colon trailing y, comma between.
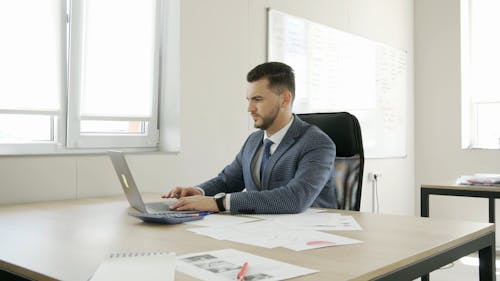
x: 265, y: 155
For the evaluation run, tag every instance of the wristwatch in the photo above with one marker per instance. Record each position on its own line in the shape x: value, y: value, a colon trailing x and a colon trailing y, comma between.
x: 219, y: 199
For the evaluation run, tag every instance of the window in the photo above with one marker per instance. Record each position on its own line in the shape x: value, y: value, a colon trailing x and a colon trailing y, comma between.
x: 480, y: 84
x: 84, y: 74
x: 115, y: 53
x: 32, y: 70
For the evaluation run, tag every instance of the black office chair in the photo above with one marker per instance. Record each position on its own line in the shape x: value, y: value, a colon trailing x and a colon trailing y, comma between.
x: 343, y: 128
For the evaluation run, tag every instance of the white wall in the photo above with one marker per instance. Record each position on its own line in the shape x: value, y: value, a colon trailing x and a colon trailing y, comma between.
x: 220, y: 41
x: 439, y: 158
x: 389, y: 22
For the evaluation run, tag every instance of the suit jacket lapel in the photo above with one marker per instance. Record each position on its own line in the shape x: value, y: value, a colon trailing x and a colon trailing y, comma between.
x: 254, y: 145
x: 293, y: 132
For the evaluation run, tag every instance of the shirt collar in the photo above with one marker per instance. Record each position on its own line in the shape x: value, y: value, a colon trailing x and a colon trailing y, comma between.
x: 277, y: 137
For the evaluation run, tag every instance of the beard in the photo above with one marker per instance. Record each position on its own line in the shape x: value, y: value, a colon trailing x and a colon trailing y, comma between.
x: 268, y: 120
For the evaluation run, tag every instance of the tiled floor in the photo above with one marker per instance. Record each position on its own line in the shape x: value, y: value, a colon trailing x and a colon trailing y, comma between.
x: 464, y: 269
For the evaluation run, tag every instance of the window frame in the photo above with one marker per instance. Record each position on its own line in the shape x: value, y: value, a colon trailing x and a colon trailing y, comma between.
x: 75, y: 139
x: 165, y: 105
x: 38, y: 147
x: 469, y: 108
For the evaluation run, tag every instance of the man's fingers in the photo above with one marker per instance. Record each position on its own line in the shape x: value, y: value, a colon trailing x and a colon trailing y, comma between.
x: 181, y: 205
x: 173, y: 193
x: 185, y: 192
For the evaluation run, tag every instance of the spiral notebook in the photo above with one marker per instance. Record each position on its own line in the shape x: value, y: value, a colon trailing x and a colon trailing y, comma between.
x: 154, y: 266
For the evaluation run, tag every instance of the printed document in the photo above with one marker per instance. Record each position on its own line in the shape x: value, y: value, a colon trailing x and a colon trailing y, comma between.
x: 224, y: 265
x: 270, y: 234
x: 218, y: 220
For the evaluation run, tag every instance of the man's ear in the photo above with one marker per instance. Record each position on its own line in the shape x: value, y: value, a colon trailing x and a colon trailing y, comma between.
x: 287, y: 98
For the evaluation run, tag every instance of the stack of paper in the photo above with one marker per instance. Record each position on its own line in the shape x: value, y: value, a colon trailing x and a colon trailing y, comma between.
x: 311, y: 219
x: 480, y: 179
x: 295, y: 232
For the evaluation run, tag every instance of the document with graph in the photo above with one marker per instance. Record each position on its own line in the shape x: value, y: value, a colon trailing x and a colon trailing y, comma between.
x: 231, y: 264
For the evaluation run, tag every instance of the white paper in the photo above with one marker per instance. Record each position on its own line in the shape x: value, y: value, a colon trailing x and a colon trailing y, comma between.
x: 136, y: 266
x: 270, y: 234
x: 260, y: 233
x: 278, y: 216
x: 307, y: 239
x: 332, y: 223
x: 218, y: 220
x: 314, y: 219
x: 222, y: 265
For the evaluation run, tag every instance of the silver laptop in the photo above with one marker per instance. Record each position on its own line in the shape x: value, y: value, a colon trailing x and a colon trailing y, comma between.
x: 132, y: 192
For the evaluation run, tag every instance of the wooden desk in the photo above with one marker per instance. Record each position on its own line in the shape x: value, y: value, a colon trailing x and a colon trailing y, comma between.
x: 66, y: 240
x: 489, y: 192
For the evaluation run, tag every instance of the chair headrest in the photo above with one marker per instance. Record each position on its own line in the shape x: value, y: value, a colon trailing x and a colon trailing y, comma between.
x: 342, y: 127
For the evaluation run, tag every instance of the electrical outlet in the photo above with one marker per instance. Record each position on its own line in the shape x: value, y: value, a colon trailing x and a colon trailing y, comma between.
x: 373, y: 176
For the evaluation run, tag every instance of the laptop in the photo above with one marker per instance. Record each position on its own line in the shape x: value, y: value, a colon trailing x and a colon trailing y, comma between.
x: 152, y: 212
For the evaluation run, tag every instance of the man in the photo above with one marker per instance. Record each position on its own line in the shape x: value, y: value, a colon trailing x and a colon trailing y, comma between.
x: 290, y: 174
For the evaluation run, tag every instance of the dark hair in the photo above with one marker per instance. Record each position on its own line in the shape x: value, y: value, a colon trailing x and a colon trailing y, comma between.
x: 279, y: 75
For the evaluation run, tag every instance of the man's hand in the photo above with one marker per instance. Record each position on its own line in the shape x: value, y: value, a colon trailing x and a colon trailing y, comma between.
x: 179, y: 192
x: 197, y: 202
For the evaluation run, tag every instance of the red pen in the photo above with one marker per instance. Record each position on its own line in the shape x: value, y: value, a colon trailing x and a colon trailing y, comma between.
x: 243, y: 272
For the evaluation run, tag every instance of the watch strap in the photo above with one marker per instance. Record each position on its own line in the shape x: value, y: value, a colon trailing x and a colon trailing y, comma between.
x: 220, y: 203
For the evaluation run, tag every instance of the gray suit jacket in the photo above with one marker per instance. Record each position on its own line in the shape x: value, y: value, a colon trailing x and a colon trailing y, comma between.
x: 298, y: 175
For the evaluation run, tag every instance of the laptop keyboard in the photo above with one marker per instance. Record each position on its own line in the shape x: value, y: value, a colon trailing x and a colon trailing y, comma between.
x: 158, y: 207
x: 163, y: 208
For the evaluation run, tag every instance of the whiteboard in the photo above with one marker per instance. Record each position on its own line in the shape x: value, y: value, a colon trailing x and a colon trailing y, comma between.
x: 339, y: 71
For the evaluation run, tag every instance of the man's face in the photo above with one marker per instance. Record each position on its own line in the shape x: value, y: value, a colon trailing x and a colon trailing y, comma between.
x: 263, y: 104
